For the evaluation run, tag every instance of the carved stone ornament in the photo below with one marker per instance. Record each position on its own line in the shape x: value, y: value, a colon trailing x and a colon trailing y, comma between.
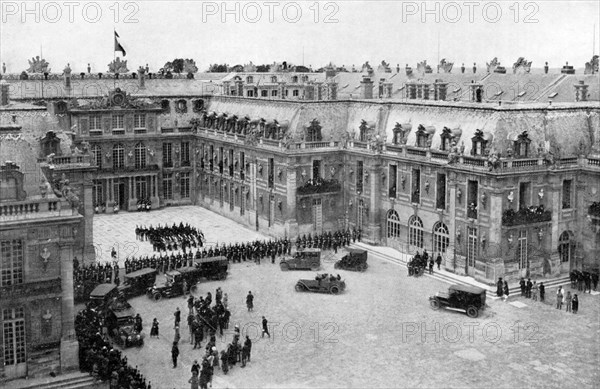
x: 45, y: 258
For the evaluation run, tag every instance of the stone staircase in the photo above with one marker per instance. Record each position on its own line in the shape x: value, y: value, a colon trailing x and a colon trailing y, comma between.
x: 76, y: 380
x: 452, y: 278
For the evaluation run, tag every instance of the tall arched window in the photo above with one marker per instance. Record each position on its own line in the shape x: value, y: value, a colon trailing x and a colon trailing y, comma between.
x: 415, y: 232
x: 118, y: 154
x: 97, y: 155
x: 566, y: 246
x: 140, y: 156
x: 441, y: 238
x: 393, y: 224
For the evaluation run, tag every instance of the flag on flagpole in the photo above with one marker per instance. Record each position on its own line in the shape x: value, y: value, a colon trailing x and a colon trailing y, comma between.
x: 118, y: 46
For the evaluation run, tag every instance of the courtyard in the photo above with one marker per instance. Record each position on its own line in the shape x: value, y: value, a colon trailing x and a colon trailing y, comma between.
x: 379, y: 333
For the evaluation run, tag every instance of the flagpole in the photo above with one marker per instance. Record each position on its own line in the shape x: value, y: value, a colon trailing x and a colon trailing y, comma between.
x: 114, y: 59
x: 41, y: 59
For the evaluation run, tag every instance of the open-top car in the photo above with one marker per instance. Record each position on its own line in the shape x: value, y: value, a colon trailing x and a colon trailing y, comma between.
x: 306, y: 259
x: 355, y: 260
x: 322, y: 283
x: 464, y: 298
x: 137, y: 283
x: 121, y: 327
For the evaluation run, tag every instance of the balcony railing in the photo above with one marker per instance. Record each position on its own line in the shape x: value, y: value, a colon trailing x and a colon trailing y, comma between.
x: 319, y: 186
x: 31, y: 209
x: 529, y: 215
x: 146, y: 168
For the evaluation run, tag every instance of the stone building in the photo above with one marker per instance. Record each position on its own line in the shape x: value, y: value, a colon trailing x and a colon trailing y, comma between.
x: 498, y: 177
x: 38, y: 229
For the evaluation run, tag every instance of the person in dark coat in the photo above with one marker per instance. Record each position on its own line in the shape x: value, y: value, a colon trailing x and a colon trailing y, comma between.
x: 528, y: 287
x: 438, y: 260
x: 499, y: 288
x: 265, y: 327
x: 250, y: 301
x: 177, y: 315
x: 431, y: 265
x: 523, y: 286
x: 154, y: 329
x: 575, y: 303
x: 248, y: 344
x: 505, y: 290
x: 174, y: 354
x: 542, y: 291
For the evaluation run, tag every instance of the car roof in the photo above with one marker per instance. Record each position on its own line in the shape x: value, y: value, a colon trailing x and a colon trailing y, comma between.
x: 140, y: 272
x: 467, y: 288
x: 173, y: 273
x: 102, y: 290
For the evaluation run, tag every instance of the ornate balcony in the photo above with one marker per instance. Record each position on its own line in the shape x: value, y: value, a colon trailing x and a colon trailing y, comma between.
x: 529, y: 215
x: 319, y: 186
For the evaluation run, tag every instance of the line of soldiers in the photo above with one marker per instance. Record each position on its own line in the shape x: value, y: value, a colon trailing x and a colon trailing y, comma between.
x: 97, y: 356
x: 170, y: 238
x: 583, y: 280
x: 98, y: 272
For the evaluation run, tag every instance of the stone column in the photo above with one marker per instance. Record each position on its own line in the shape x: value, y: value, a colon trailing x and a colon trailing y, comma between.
x: 291, y: 221
x: 374, y: 227
x: 69, y: 347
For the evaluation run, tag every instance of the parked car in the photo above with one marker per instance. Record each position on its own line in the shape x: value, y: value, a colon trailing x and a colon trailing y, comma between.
x: 355, y: 260
x: 322, y: 283
x: 121, y: 328
x: 306, y: 259
x: 465, y: 298
x: 138, y: 282
x: 102, y: 295
x: 213, y: 268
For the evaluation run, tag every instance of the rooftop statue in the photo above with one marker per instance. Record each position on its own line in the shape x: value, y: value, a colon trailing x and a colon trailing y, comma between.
x: 423, y: 68
x: 445, y: 67
x: 118, y: 66
x: 38, y: 65
x: 492, y: 65
x: 592, y: 66
x: 521, y: 66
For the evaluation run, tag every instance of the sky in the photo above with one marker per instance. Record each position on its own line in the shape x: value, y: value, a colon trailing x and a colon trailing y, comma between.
x: 299, y: 32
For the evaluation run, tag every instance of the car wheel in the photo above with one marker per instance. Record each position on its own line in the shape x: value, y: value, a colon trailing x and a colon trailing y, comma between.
x: 300, y: 288
x: 334, y: 290
x: 472, y: 312
x: 362, y: 267
x: 434, y: 304
x: 284, y: 267
x: 157, y: 297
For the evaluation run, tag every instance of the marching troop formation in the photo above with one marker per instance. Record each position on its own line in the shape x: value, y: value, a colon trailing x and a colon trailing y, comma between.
x: 170, y: 238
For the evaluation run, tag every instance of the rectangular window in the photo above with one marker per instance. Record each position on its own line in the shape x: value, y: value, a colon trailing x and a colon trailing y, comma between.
x: 471, y: 246
x: 141, y: 188
x: 184, y: 184
x: 392, y: 181
x: 316, y: 169
x: 140, y: 157
x: 250, y: 93
x: 168, y: 186
x: 271, y: 173
x: 13, y: 328
x: 11, y: 262
x: 472, y: 193
x: 139, y: 121
x: 220, y: 160
x: 231, y: 162
x: 242, y: 165
x: 566, y: 194
x: 359, y: 176
x: 97, y: 155
x: 524, y: 194
x: 274, y: 93
x: 264, y: 93
x: 416, y: 186
x: 118, y: 157
x: 295, y: 93
x: 185, y: 154
x: 95, y: 123
x: 211, y: 158
x: 167, y: 155
x: 440, y: 200
x: 97, y: 192
x: 117, y: 122
x: 477, y: 147
x: 522, y: 250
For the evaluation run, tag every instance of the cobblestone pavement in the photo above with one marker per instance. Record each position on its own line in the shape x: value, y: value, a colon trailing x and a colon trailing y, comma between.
x: 379, y: 333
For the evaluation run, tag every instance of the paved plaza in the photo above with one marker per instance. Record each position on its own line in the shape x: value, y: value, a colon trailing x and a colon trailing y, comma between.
x: 379, y: 333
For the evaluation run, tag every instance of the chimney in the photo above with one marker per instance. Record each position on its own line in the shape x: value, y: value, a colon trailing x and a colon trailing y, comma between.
x: 332, y: 88
x: 567, y: 69
x: 411, y: 91
x: 581, y: 92
x: 67, y: 74
x: 476, y: 92
x: 141, y: 77
x: 4, y: 92
x: 366, y: 88
x: 226, y: 88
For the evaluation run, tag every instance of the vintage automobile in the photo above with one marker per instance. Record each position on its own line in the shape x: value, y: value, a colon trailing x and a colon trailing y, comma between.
x: 355, y: 260
x: 138, y: 282
x: 306, y: 259
x: 103, y: 295
x: 322, y: 283
x: 214, y: 268
x: 464, y: 298
x: 121, y: 328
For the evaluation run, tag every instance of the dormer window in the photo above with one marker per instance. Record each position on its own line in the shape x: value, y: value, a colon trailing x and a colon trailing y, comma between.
x: 521, y: 145
x: 304, y: 78
x: 446, y: 139
x: 424, y: 135
x: 274, y: 79
x: 295, y: 79
x: 313, y: 131
x: 400, y: 132
x: 365, y: 130
x: 480, y: 143
x: 249, y: 80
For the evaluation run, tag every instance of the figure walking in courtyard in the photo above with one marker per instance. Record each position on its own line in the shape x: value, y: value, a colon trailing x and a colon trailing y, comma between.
x: 438, y: 260
x: 265, y: 327
x: 542, y: 291
x: 174, y: 354
x: 575, y: 303
x: 250, y: 301
x: 505, y: 290
x: 499, y: 287
x: 154, y: 329
x: 568, y: 300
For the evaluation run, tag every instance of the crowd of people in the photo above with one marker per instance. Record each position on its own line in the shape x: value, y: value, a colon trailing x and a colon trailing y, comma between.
x: 99, y: 358
x: 584, y: 281
x: 165, y: 238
